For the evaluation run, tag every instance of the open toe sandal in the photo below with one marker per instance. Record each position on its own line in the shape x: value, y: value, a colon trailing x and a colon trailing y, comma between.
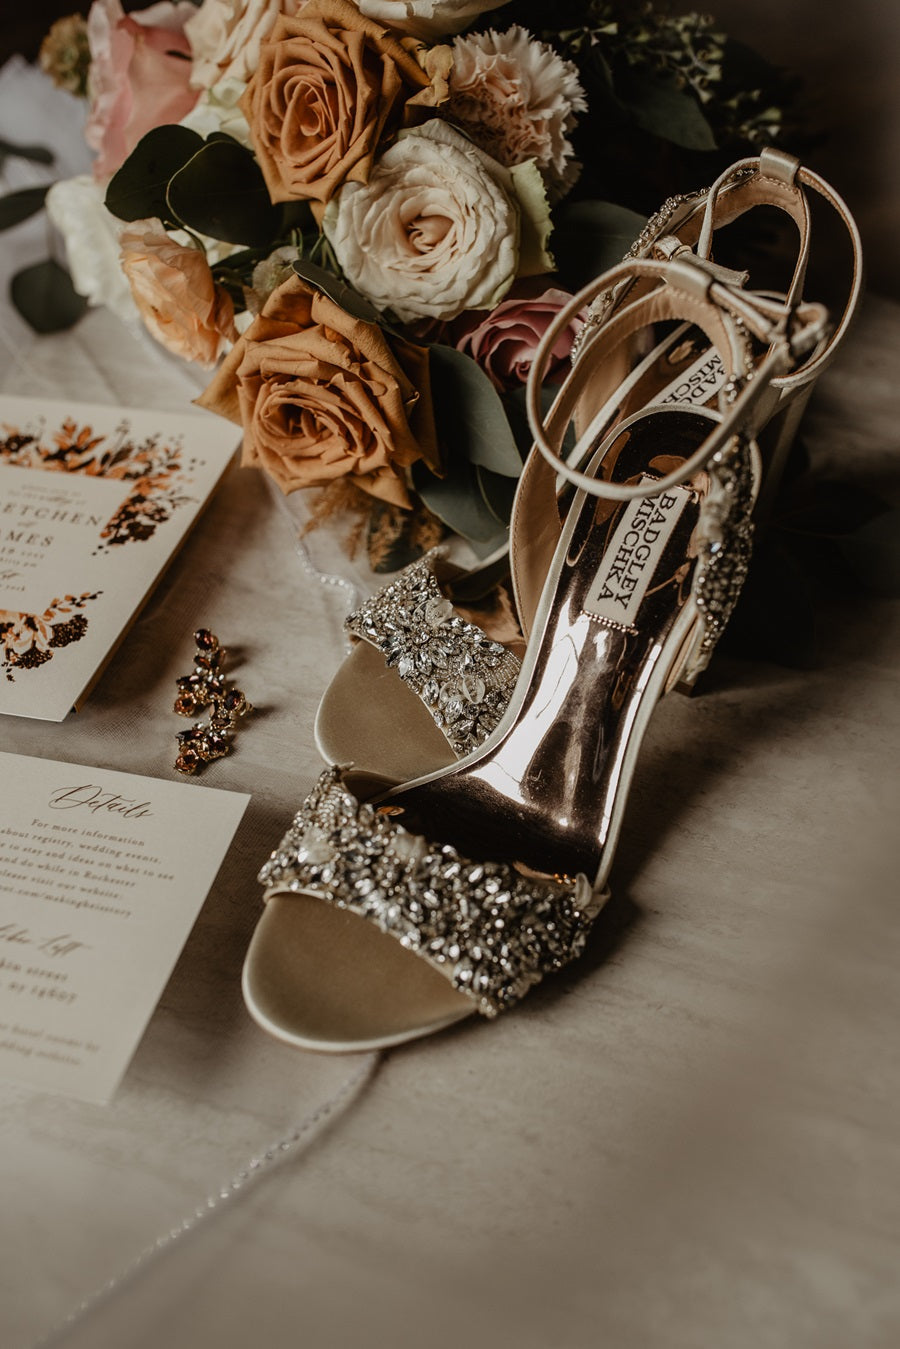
x: 395, y: 910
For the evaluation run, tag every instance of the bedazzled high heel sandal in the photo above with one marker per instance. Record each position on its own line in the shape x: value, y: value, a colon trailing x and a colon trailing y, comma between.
x: 394, y: 911
x: 388, y: 708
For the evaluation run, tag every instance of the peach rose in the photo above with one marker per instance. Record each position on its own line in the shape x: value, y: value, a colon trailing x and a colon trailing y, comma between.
x: 322, y: 396
x: 175, y: 293
x: 330, y: 86
x: 140, y: 68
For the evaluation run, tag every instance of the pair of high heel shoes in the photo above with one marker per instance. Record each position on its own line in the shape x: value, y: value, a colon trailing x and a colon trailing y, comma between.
x: 395, y: 910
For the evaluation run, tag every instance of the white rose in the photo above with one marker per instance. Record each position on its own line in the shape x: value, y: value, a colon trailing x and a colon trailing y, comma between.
x: 426, y: 19
x: 225, y: 37
x: 218, y: 110
x: 434, y: 231
x: 91, y: 237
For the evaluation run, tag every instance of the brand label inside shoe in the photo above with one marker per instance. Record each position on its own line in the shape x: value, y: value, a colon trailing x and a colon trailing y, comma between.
x: 697, y: 384
x: 633, y: 555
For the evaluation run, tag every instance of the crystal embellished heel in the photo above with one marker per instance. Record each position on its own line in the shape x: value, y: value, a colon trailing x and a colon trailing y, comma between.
x: 395, y: 911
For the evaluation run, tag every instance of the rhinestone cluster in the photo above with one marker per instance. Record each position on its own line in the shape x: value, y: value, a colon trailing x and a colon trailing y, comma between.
x: 726, y: 540
x: 657, y: 226
x: 463, y: 677
x: 487, y: 928
x: 653, y: 229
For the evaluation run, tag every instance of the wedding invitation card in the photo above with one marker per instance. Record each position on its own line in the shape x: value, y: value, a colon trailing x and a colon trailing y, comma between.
x: 94, y: 501
x: 102, y: 875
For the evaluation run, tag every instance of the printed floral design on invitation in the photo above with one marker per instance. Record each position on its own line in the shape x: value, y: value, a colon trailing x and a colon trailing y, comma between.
x: 29, y: 640
x: 153, y: 465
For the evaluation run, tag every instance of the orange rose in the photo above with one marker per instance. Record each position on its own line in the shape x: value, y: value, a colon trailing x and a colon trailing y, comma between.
x: 330, y: 86
x: 174, y: 291
x: 322, y: 396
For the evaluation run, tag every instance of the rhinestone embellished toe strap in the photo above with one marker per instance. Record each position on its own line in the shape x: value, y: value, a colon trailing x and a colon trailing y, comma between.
x: 463, y: 677
x: 492, y: 932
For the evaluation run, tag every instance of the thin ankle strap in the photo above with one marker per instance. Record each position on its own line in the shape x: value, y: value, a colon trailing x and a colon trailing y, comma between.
x: 681, y: 290
x: 776, y: 178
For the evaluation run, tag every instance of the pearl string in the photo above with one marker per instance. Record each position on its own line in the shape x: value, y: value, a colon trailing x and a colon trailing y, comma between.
x: 216, y: 1202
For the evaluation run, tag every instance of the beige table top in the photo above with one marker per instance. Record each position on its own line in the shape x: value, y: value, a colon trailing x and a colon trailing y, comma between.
x: 688, y: 1139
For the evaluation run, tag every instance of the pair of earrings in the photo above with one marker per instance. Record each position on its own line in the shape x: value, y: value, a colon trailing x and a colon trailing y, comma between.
x: 206, y: 686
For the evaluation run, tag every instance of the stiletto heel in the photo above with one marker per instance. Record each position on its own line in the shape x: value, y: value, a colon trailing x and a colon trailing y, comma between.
x: 396, y: 910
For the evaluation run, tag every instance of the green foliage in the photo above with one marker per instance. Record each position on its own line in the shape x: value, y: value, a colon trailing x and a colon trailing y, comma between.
x: 36, y: 154
x: 22, y: 205
x: 221, y: 192
x: 662, y: 105
x: 139, y: 190
x: 480, y: 457
x: 592, y: 236
x: 337, y: 290
x: 45, y: 297
x: 458, y: 501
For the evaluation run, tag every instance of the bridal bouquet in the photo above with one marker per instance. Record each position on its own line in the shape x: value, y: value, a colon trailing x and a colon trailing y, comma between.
x: 363, y: 214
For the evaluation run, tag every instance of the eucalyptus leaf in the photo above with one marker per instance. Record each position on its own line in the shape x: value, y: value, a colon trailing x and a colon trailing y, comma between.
x: 515, y: 404
x: 498, y: 492
x: 45, y: 297
x: 138, y: 190
x: 22, y: 205
x: 457, y: 500
x: 591, y: 236
x: 236, y: 262
x: 337, y: 290
x: 296, y: 215
x: 664, y: 108
x: 221, y: 192
x: 469, y: 415
x: 37, y: 154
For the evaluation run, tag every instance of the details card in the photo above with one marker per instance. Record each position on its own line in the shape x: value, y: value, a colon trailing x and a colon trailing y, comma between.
x: 102, y: 875
x: 94, y: 501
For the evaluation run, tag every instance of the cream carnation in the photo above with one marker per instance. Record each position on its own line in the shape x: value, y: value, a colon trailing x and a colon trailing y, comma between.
x: 517, y: 98
x: 426, y: 19
x: 225, y: 37
x: 434, y: 231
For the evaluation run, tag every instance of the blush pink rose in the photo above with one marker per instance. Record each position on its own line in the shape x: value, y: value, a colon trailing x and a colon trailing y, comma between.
x: 139, y: 78
x: 504, y: 341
